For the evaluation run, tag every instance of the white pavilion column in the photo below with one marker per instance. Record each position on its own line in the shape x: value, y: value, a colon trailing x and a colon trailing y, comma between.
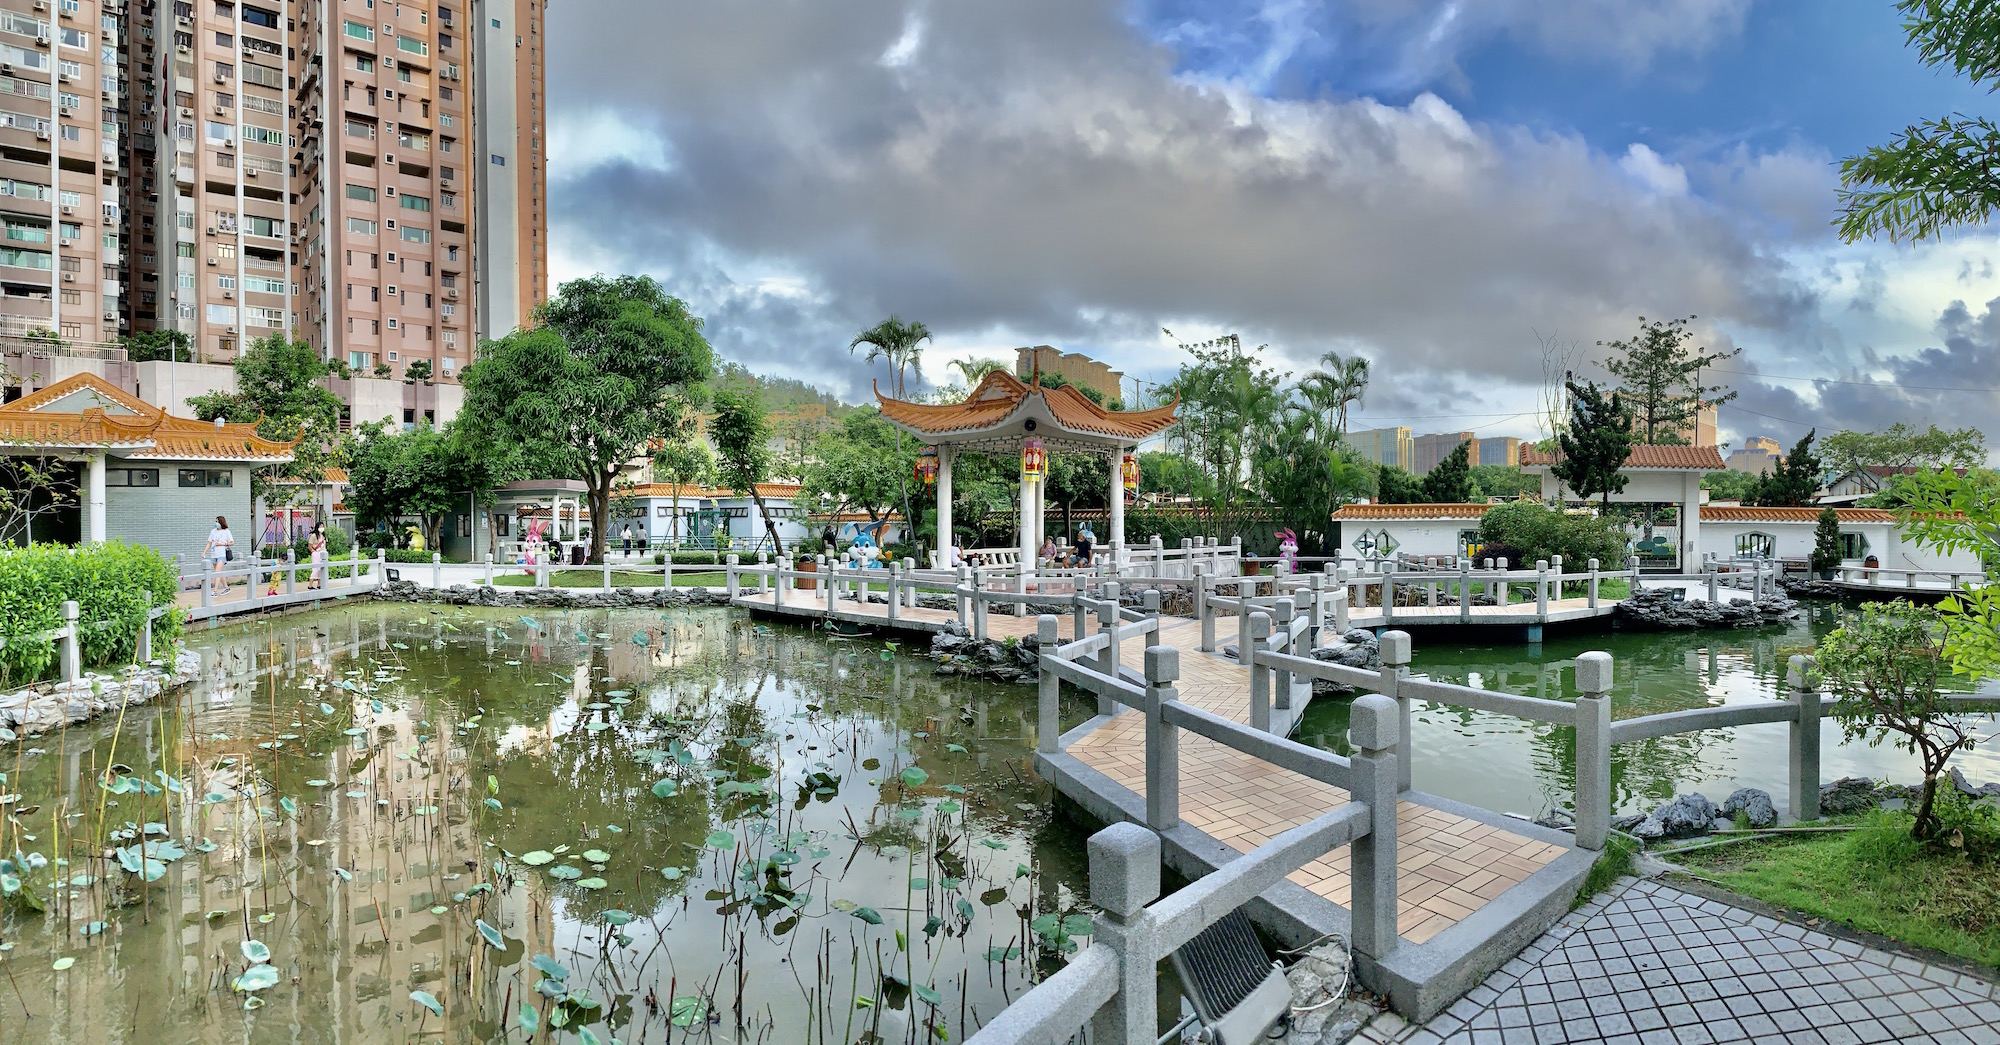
x: 1030, y: 515
x: 1116, y: 538
x: 946, y: 453
x: 1690, y: 522
x: 94, y: 482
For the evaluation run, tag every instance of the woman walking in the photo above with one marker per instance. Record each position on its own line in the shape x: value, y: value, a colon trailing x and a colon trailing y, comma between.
x: 316, y: 546
x: 221, y: 548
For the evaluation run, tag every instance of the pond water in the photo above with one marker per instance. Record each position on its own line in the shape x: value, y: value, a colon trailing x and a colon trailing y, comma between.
x: 1504, y: 763
x: 659, y: 826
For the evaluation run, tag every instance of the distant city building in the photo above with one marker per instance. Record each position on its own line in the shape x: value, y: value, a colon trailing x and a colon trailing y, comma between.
x: 1758, y: 454
x: 1384, y: 445
x: 1430, y: 449
x: 1499, y: 449
x: 1074, y: 367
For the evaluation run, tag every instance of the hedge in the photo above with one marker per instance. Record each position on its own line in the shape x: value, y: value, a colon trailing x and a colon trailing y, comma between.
x: 110, y: 582
x: 689, y: 559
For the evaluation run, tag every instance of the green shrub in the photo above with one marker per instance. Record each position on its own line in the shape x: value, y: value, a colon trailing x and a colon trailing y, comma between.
x: 406, y: 555
x: 1526, y: 531
x: 697, y: 559
x: 110, y: 582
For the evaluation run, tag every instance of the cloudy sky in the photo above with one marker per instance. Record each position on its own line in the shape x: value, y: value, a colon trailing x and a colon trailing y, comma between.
x: 1436, y: 184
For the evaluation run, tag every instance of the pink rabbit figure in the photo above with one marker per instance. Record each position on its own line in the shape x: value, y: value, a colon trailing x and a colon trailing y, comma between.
x: 1288, y: 549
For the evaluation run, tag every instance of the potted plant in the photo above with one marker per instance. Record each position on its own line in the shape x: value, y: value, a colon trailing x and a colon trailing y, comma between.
x: 1826, y: 544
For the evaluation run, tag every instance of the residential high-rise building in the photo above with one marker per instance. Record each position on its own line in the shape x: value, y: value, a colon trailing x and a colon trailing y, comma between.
x: 367, y: 174
x: 1384, y: 445
x: 1499, y: 449
x: 62, y: 191
x: 1430, y: 449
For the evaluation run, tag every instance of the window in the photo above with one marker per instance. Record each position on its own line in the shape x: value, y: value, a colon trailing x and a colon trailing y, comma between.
x: 225, y: 282
x: 1755, y: 545
x: 361, y: 192
x: 499, y: 160
x: 263, y: 75
x: 76, y: 38
x: 357, y: 360
x: 411, y: 235
x: 358, y: 129
x: 259, y: 16
x: 16, y: 22
x: 71, y: 232
x: 23, y: 190
x: 199, y: 477
x: 361, y: 225
x: 364, y: 64
x: 225, y: 70
x: 26, y: 259
x: 259, y: 226
x: 416, y: 202
x: 224, y: 40
x: 1853, y: 546
x: 26, y: 232
x: 224, y: 315
x: 24, y: 58
x: 263, y: 285
x: 149, y: 477
x: 263, y: 135
x: 412, y: 45
x: 358, y: 31
x: 415, y: 141
x: 219, y: 133
x: 266, y: 317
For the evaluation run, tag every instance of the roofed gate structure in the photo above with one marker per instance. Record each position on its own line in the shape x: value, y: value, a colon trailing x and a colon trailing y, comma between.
x: 1006, y: 415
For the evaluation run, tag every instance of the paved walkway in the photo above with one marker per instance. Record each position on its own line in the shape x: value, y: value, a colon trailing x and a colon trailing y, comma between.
x: 1647, y: 963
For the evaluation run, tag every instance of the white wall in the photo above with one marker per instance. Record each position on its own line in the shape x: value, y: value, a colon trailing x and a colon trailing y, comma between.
x: 171, y: 385
x: 376, y: 399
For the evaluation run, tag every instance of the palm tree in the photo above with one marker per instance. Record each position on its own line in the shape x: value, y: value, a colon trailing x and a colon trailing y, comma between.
x: 975, y: 370
x: 897, y: 342
x: 1339, y: 384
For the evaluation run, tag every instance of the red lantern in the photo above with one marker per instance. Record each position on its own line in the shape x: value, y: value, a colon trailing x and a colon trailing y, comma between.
x: 1130, y: 470
x: 1034, y: 463
x: 927, y: 466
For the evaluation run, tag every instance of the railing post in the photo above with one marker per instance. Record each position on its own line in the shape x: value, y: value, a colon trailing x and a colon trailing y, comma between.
x: 895, y: 591
x: 291, y: 571
x: 964, y: 601
x: 1204, y: 611
x: 910, y: 586
x: 143, y: 653
x: 381, y: 567
x: 1124, y: 878
x: 1315, y: 604
x: 1374, y: 736
x: 1163, y: 740
x: 729, y: 575
x: 489, y: 570
x: 1556, y: 568
x: 979, y: 612
x: 1500, y: 596
x: 1713, y: 569
x: 1281, y: 680
x: 1593, y: 749
x: 1048, y: 722
x: 1388, y: 592
x: 72, y: 643
x: 1257, y: 626
x: 763, y: 579
x: 1805, y: 738
x: 1107, y: 622
x: 1464, y: 590
x: 830, y: 568
x: 1394, y: 650
x: 1593, y: 584
x: 1541, y: 587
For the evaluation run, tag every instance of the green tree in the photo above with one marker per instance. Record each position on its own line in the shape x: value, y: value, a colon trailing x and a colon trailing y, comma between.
x: 1503, y: 480
x: 421, y: 472
x: 1395, y: 485
x: 281, y: 387
x: 683, y: 462
x: 1450, y: 482
x: 1795, y: 481
x: 1938, y: 173
x: 1595, y: 446
x: 1903, y: 446
x: 1659, y: 371
x: 149, y: 345
x: 1339, y: 383
x: 1957, y: 513
x: 858, y: 467
x: 1885, y: 665
x: 1305, y: 480
x: 1525, y: 531
x: 1826, y: 541
x: 1730, y: 485
x: 975, y: 370
x: 1228, y: 403
x: 418, y: 370
x: 1161, y: 472
x: 742, y: 447
x: 611, y: 364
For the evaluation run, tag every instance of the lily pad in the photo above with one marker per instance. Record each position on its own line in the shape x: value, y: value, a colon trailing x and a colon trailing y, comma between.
x: 914, y: 776
x: 491, y: 934
x: 255, y: 952
x: 428, y: 1001
x: 596, y: 856
x: 666, y: 788
x: 256, y: 978
x: 63, y: 963
x: 592, y: 883
x: 722, y: 840
x: 538, y: 858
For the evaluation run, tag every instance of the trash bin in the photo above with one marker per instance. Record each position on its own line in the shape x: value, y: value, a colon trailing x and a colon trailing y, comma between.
x: 577, y: 553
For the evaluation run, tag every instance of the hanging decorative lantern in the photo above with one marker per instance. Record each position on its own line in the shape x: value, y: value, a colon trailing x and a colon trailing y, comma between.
x: 1130, y: 470
x: 1034, y: 463
x: 927, y: 466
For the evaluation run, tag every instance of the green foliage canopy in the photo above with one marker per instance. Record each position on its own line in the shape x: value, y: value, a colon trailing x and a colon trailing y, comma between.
x: 1595, y: 445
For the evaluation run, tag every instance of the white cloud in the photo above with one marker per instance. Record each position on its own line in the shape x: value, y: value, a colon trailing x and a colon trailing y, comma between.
x: 1646, y: 167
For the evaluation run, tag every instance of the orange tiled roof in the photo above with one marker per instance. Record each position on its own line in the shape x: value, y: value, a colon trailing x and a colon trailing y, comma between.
x: 1646, y: 455
x: 1355, y: 512
x: 114, y: 419
x: 1000, y: 394
x: 691, y: 492
x: 1733, y: 513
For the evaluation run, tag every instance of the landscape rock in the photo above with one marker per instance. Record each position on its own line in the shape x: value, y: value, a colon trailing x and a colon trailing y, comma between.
x: 1965, y: 787
x: 551, y: 598
x: 1325, y: 1010
x: 1684, y: 817
x: 1356, y: 648
x: 41, y: 708
x: 1753, y: 804
x: 1655, y: 609
x: 1850, y: 794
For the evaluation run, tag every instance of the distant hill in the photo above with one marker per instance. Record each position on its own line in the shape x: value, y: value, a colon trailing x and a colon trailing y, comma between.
x: 783, y: 395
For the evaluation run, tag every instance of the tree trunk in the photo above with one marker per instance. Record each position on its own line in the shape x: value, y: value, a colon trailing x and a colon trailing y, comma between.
x: 770, y: 529
x: 1925, y: 826
x: 600, y: 508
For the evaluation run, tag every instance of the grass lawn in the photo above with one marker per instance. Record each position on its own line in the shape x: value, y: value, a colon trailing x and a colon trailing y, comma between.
x: 619, y: 579
x: 1876, y: 879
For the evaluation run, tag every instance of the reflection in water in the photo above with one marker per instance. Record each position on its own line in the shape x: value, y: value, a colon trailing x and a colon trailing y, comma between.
x: 1504, y: 763
x: 672, y: 825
